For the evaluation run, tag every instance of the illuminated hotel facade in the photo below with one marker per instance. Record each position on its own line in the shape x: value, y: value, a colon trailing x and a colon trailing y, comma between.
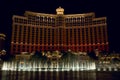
x: 49, y: 32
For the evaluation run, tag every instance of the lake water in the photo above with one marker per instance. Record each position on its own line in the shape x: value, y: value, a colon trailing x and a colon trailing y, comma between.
x: 58, y: 75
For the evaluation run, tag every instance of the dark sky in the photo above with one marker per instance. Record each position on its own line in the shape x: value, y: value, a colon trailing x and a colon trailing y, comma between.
x: 108, y: 8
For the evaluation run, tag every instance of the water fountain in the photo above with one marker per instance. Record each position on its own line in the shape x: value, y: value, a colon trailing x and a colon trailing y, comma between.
x: 39, y: 66
x: 55, y: 61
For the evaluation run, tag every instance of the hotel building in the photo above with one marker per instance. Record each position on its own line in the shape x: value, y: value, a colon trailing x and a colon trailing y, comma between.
x: 49, y: 32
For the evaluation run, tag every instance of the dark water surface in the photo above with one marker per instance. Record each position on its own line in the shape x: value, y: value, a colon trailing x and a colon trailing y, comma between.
x: 61, y: 75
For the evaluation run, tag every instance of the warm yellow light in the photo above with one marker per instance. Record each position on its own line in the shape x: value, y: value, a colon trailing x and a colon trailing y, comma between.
x: 60, y: 10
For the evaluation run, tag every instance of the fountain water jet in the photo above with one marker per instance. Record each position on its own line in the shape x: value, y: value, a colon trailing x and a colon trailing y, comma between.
x: 39, y: 66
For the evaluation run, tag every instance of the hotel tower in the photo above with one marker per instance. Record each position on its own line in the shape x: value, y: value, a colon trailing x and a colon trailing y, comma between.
x: 49, y: 32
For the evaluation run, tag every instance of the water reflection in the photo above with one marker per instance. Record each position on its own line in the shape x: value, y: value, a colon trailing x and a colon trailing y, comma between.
x: 58, y: 75
x: 50, y: 75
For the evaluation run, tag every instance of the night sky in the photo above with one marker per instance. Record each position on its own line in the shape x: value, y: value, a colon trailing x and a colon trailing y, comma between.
x: 108, y: 8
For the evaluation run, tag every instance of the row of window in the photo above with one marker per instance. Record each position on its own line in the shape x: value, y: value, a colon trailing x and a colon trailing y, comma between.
x: 52, y: 21
x: 36, y: 34
x: 68, y: 40
x: 103, y: 21
x: 35, y: 48
x: 31, y: 17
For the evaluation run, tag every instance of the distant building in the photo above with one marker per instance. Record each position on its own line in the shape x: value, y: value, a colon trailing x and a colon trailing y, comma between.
x: 23, y: 56
x: 56, y: 55
x: 50, y: 32
x: 2, y: 41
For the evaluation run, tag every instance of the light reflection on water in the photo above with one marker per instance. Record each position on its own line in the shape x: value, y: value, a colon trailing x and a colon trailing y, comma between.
x: 61, y: 75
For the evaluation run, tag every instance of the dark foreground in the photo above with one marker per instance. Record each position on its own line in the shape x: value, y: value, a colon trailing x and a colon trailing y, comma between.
x: 61, y: 75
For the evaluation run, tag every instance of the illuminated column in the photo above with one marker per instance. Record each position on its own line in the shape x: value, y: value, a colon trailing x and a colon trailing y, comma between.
x: 17, y: 35
x: 81, y: 42
x: 58, y: 44
x: 33, y: 36
x: 52, y: 34
x: 93, y: 37
x: 55, y: 43
x: 47, y: 25
x: 63, y: 35
x: 17, y: 39
x: 38, y: 38
x: 38, y: 48
x: 64, y: 39
x: 34, y: 49
x: 72, y: 38
x: 56, y: 37
x: 26, y: 39
x: 77, y: 44
x: 89, y: 38
x: 23, y: 40
x: 62, y: 44
x: 30, y: 43
x: 43, y: 34
x: 97, y: 34
x: 79, y: 47
x: 80, y: 27
x: 22, y: 34
x: 106, y: 38
x: 51, y: 39
x: 85, y: 42
x: 98, y: 42
x: 42, y: 39
x: 46, y: 38
x: 102, y: 36
x: 69, y: 38
x: 61, y: 41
